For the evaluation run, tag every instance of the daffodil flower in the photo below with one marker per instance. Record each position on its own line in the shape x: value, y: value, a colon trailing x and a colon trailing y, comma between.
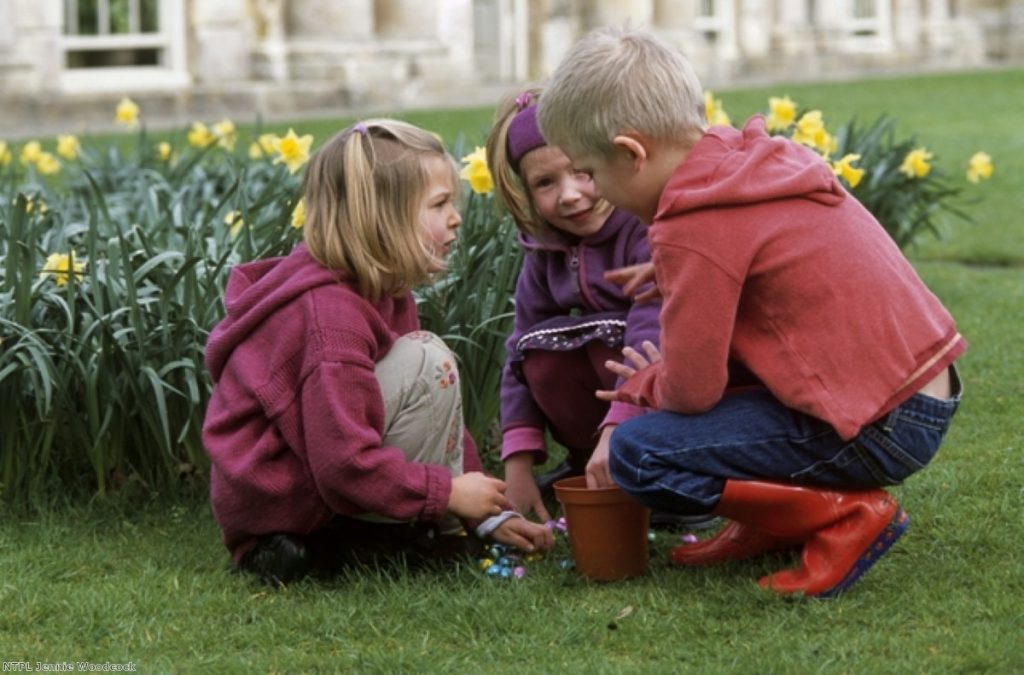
x: 476, y: 172
x: 844, y: 169
x: 781, y: 113
x: 293, y: 150
x: 714, y: 111
x: 127, y: 113
x: 299, y: 214
x: 979, y: 167
x: 59, y: 266
x: 810, y: 131
x: 163, y: 151
x: 5, y: 154
x: 263, y: 146
x: 47, y: 164
x: 200, y: 135
x: 234, y: 220
x: 226, y: 135
x: 30, y: 153
x: 68, y: 146
x: 917, y: 163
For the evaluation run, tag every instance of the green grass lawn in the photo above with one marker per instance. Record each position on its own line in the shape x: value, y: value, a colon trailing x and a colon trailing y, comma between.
x: 150, y: 583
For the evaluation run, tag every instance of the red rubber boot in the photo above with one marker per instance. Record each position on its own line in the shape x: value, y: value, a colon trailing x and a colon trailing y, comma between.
x: 844, y: 533
x: 735, y: 541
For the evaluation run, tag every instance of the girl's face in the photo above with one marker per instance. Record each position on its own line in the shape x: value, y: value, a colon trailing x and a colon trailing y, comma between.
x: 564, y: 197
x: 437, y: 213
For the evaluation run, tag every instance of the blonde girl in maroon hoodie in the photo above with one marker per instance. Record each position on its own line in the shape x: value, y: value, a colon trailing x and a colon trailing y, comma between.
x: 761, y: 258
x: 335, y: 423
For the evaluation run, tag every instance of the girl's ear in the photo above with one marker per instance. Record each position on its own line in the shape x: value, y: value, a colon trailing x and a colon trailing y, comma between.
x: 634, y: 146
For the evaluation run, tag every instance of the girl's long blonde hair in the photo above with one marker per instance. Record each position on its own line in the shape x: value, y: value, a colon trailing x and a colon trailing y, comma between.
x: 362, y: 192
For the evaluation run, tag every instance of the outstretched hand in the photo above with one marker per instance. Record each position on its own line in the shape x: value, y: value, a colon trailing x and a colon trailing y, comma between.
x: 524, y: 535
x: 632, y: 278
x: 637, y: 361
x: 477, y: 496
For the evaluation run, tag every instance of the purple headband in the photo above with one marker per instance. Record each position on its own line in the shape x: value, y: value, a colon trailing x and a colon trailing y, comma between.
x: 524, y: 134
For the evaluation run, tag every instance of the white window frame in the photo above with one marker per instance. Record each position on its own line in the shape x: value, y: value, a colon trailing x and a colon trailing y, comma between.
x: 867, y: 34
x: 171, y: 74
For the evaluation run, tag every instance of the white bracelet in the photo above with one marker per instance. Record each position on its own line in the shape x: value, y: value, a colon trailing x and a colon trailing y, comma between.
x: 491, y: 524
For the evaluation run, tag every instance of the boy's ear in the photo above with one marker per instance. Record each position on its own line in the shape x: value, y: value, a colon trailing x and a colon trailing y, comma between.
x: 634, y: 146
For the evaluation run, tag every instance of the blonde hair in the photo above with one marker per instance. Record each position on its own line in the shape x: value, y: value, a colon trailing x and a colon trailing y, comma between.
x: 508, y: 184
x: 362, y: 192
x: 616, y: 80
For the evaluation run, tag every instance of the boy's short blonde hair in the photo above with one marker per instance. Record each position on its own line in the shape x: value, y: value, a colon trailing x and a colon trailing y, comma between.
x: 362, y: 193
x: 616, y: 80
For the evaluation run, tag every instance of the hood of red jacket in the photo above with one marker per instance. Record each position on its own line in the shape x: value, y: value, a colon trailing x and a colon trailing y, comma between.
x: 718, y: 171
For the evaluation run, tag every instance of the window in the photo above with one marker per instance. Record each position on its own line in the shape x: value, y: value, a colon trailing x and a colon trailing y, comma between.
x: 139, y: 41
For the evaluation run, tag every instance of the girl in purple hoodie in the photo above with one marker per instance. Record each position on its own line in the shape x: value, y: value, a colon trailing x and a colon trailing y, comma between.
x: 335, y: 424
x: 569, y: 320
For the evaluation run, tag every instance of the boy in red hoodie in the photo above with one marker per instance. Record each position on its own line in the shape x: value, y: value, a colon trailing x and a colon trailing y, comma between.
x: 763, y: 260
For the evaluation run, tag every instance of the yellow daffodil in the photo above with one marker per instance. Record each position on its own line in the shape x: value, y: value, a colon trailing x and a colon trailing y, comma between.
x: 163, y: 151
x: 32, y: 204
x: 200, y: 135
x: 293, y: 150
x: 60, y: 266
x: 5, y: 154
x: 264, y: 146
x: 226, y: 135
x: 844, y: 169
x: 781, y: 113
x: 47, y: 164
x: 234, y: 220
x: 68, y: 146
x: 476, y: 172
x: 917, y: 163
x: 299, y: 214
x: 127, y: 113
x: 714, y: 111
x: 810, y: 131
x: 30, y: 153
x: 979, y: 167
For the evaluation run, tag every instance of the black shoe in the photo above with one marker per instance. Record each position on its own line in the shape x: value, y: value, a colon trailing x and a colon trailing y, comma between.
x: 663, y: 520
x: 277, y: 559
x: 547, y: 480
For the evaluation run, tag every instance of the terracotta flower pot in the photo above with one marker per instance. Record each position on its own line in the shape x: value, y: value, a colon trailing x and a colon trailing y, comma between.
x: 607, y: 529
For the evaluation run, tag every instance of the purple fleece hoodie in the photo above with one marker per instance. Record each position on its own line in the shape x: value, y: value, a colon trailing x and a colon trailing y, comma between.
x: 562, y: 283
x: 295, y: 423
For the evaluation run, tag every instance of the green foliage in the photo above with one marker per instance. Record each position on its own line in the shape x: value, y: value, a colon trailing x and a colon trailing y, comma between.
x: 102, y: 378
x: 907, y: 207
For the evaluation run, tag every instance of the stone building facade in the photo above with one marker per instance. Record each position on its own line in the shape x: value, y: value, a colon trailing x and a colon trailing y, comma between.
x: 64, y: 60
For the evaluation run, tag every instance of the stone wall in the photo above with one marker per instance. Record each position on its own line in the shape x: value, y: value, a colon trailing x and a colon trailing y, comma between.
x: 295, y: 57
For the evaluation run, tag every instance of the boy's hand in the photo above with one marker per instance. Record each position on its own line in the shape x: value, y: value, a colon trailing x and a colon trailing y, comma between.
x: 638, y: 361
x: 524, y: 535
x: 477, y: 496
x: 633, y: 277
x: 522, y: 489
x: 597, y: 471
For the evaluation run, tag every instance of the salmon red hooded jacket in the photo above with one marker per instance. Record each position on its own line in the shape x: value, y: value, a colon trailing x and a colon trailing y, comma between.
x: 761, y: 256
x: 295, y: 423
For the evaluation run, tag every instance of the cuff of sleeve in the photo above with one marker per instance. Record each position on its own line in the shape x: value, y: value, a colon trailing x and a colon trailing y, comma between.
x: 485, y: 528
x: 524, y: 439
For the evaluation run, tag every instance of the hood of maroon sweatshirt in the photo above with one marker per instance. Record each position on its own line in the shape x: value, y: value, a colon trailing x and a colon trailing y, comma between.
x: 731, y: 167
x: 257, y: 290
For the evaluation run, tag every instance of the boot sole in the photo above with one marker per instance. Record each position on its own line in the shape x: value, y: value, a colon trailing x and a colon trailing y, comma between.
x: 882, y: 543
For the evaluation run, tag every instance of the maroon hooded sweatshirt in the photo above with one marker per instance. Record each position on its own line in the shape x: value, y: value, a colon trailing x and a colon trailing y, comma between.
x: 295, y: 424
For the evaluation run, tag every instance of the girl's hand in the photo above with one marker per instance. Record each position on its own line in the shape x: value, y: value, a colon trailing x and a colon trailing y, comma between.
x: 597, y: 471
x: 477, y: 496
x: 638, y: 361
x: 522, y: 489
x: 524, y: 535
x: 633, y: 277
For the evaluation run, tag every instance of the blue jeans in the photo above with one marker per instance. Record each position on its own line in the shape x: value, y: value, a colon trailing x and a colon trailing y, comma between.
x: 679, y: 463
